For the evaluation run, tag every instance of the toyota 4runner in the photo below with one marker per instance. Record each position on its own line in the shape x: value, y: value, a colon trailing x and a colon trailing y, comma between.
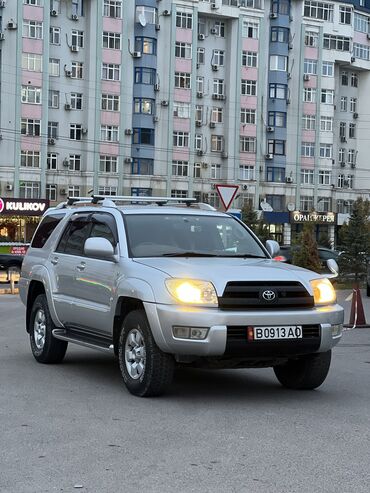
x: 163, y: 283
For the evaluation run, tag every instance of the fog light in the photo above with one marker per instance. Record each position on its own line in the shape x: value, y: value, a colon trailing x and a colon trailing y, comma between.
x: 336, y: 330
x: 198, y: 333
x: 181, y: 332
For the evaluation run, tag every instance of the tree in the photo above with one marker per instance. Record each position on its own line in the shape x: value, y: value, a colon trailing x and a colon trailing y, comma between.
x: 355, y: 240
x: 258, y: 226
x: 304, y: 251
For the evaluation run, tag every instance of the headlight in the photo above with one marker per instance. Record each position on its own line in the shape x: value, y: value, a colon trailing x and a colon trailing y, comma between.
x: 192, y: 292
x: 323, y: 291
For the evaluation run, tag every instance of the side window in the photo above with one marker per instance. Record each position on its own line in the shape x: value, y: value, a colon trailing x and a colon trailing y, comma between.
x: 74, y: 236
x: 43, y: 232
x: 104, y: 226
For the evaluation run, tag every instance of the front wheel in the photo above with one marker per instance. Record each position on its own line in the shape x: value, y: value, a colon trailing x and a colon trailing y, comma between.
x: 304, y: 373
x: 146, y: 370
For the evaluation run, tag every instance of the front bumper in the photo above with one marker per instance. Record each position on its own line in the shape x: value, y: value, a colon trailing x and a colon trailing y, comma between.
x: 163, y: 317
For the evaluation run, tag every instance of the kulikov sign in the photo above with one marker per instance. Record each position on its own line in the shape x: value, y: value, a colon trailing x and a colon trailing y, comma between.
x: 23, y: 207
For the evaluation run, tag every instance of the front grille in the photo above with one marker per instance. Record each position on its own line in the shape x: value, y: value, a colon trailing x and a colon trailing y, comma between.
x: 244, y: 295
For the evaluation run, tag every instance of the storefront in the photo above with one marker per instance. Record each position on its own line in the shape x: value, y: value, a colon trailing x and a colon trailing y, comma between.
x: 19, y: 219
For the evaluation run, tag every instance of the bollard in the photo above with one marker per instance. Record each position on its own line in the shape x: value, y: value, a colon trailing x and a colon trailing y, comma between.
x: 357, y: 317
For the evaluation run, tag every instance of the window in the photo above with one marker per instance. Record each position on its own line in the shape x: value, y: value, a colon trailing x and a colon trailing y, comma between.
x: 339, y: 43
x: 308, y: 149
x: 324, y: 204
x: 275, y: 174
x: 180, y: 168
x: 183, y: 50
x: 77, y: 70
x: 54, y: 67
x: 74, y: 162
x: 277, y: 119
x: 327, y: 96
x: 32, y: 62
x: 249, y: 87
x: 144, y: 106
x: 109, y: 133
x: 147, y: 13
x: 30, y: 159
x: 180, y: 194
x: 181, y: 139
x: 277, y: 202
x: 326, y: 124
x: 143, y: 136
x: 47, y: 226
x: 310, y: 67
x: 217, y: 115
x: 247, y: 144
x: 30, y: 127
x: 199, y: 82
x: 217, y: 143
x: 182, y: 80
x: 215, y: 171
x: 324, y: 177
x: 342, y: 131
x: 306, y: 203
x: 77, y: 38
x: 76, y: 101
x: 308, y: 122
x: 344, y: 78
x: 218, y: 57
x: 311, y: 39
x: 252, y: 4
x: 249, y: 59
x: 148, y: 46
x: 52, y: 161
x: 278, y: 91
x: 32, y: 29
x: 219, y: 27
x: 327, y: 69
x: 352, y: 131
x: 142, y: 166
x: 54, y: 35
x: 35, y: 3
x: 198, y: 142
x: 31, y: 94
x: 74, y: 191
x: 246, y: 172
x: 107, y: 164
x: 112, y: 40
x: 199, y: 112
x: 309, y: 95
x: 326, y: 151
x: 75, y: 131
x: 247, y: 116
x: 181, y: 110
x: 361, y: 23
x: 361, y: 51
x: 278, y: 62
x: 107, y: 190
x: 307, y: 176
x: 111, y: 71
x: 184, y: 19
x: 345, y: 14
x: 353, y: 105
x: 219, y: 87
x: 280, y: 7
x: 354, y: 79
x: 145, y: 75
x: 112, y: 8
x: 75, y: 234
x: 342, y: 155
x: 53, y: 130
x: 29, y: 190
x: 276, y: 147
x: 197, y: 173
x: 343, y: 103
x: 318, y: 10
x: 250, y: 29
x: 351, y: 156
x: 279, y: 35
x: 200, y: 56
x: 53, y: 99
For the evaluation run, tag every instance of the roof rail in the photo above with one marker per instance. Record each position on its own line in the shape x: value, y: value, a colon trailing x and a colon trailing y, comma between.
x: 135, y: 198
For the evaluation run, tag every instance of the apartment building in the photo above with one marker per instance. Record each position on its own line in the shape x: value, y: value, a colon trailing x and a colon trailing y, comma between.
x: 144, y: 97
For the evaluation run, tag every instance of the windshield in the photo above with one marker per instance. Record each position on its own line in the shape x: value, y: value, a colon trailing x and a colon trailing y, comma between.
x: 180, y: 235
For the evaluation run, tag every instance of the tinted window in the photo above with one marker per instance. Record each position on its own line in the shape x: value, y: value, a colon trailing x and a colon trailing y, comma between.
x: 104, y: 226
x: 43, y: 232
x: 74, y: 236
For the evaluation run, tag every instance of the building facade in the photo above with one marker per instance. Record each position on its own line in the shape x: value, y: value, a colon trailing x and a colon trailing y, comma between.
x: 140, y: 97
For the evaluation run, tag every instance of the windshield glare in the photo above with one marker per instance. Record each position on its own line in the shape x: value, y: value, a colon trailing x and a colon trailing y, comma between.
x: 158, y: 235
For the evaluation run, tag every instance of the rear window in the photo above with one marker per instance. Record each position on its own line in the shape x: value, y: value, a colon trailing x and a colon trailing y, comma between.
x: 43, y: 232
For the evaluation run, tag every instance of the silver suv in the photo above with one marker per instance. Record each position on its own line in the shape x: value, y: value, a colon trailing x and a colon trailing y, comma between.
x: 165, y: 284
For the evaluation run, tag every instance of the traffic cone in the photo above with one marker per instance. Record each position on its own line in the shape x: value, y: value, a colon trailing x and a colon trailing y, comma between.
x: 357, y: 317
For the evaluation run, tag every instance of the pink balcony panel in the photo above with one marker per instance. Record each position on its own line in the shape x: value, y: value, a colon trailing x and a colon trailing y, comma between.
x: 112, y: 25
x: 248, y: 130
x: 33, y: 13
x: 31, y: 78
x: 311, y: 53
x: 32, y: 46
x: 184, y: 35
x: 248, y: 102
x: 110, y: 148
x: 111, y: 56
x: 31, y: 111
x: 182, y: 65
x: 30, y: 143
x: 360, y: 38
x: 249, y: 73
x: 181, y: 124
x: 182, y: 95
x: 309, y: 108
x: 308, y: 162
x: 248, y: 159
x: 250, y: 44
x: 110, y: 87
x: 308, y: 136
x: 110, y: 118
x: 312, y: 82
x: 180, y: 154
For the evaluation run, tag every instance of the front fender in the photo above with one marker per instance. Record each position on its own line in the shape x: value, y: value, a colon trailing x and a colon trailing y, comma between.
x: 135, y: 288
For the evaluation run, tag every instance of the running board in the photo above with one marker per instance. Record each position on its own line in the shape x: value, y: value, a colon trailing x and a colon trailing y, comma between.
x: 87, y: 340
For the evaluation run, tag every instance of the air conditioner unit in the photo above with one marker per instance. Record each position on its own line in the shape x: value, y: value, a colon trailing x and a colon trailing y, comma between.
x: 200, y: 152
x: 355, y: 115
x: 343, y: 139
x: 306, y: 77
x: 290, y: 46
x: 353, y: 59
x: 74, y: 17
x: 224, y: 155
x: 347, y: 203
x: 136, y: 54
x: 212, y: 124
x: 342, y: 164
x: 215, y: 67
x: 199, y: 94
x: 214, y: 6
x: 2, y: 36
x: 198, y: 123
x: 9, y: 187
x: 155, y: 119
x: 213, y: 30
x: 204, y: 165
x: 128, y: 131
x: 164, y: 102
x: 270, y: 129
x: 244, y: 187
x: 166, y: 13
x: 273, y: 15
x: 67, y: 107
x: 156, y: 87
x: 128, y: 160
x: 66, y: 163
x: 11, y: 25
x: 68, y: 73
x: 157, y: 27
x: 201, y: 37
x: 222, y: 97
x: 53, y: 13
x: 353, y: 165
x: 84, y: 130
x: 75, y: 49
x: 63, y: 191
x: 51, y: 141
x: 289, y: 179
x: 287, y: 100
x: 269, y: 156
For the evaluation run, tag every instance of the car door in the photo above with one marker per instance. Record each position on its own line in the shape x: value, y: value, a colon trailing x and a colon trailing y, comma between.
x: 95, y: 279
x: 64, y: 260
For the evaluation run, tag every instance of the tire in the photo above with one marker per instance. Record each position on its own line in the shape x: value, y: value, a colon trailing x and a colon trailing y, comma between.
x: 45, y: 347
x: 305, y: 373
x: 368, y: 289
x: 146, y: 370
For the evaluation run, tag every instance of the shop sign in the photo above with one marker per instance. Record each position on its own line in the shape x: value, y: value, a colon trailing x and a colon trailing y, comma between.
x: 23, y: 207
x: 312, y: 217
x: 19, y: 250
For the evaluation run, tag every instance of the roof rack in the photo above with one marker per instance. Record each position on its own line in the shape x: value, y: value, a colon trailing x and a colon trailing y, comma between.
x: 135, y: 198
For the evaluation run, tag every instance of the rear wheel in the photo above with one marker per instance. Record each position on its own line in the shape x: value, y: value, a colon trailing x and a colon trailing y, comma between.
x: 45, y: 347
x: 305, y: 373
x: 146, y: 370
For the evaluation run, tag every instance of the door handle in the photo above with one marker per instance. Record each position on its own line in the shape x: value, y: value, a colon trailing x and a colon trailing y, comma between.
x: 81, y: 267
x: 54, y: 260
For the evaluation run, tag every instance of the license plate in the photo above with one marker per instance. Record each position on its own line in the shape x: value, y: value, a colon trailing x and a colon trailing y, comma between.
x: 272, y: 333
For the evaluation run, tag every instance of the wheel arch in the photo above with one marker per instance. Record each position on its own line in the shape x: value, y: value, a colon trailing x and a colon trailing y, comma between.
x: 125, y: 305
x: 35, y: 289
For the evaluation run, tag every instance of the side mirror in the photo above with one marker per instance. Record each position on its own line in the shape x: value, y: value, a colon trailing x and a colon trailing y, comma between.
x: 99, y: 248
x: 333, y: 267
x: 273, y: 247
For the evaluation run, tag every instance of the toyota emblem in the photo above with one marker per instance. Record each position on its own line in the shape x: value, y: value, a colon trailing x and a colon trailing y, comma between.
x: 269, y: 295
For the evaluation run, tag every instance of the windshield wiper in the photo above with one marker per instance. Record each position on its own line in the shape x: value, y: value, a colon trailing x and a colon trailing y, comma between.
x: 189, y: 254
x: 243, y: 255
